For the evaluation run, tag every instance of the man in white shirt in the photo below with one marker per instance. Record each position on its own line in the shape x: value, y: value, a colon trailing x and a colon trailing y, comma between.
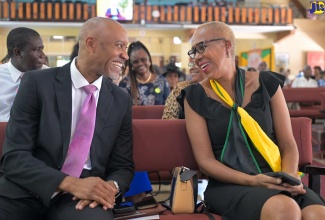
x: 25, y: 49
x: 305, y: 80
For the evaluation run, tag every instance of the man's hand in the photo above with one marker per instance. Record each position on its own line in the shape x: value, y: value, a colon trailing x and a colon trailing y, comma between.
x: 91, y: 191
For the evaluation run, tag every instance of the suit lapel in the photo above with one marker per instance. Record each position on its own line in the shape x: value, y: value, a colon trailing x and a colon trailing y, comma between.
x: 63, y: 93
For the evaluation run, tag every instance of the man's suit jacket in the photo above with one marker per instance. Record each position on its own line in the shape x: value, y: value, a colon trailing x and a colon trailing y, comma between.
x: 38, y: 135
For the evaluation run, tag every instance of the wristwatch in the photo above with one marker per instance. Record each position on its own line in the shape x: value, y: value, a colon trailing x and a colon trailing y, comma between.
x: 118, y: 189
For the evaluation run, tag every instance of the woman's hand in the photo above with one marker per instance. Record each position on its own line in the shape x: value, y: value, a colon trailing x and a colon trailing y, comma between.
x: 297, y: 189
x: 262, y: 180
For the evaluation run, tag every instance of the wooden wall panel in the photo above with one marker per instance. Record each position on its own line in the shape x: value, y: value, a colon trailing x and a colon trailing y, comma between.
x: 28, y: 6
x: 162, y: 17
x: 49, y: 11
x: 196, y: 16
x: 148, y: 13
x: 230, y: 15
x: 176, y: 13
x: 169, y: 14
x: 203, y: 14
x: 189, y: 14
x: 216, y: 14
x: 57, y: 10
x: 243, y: 15
x: 42, y: 10
x: 12, y: 10
x: 224, y: 14
x: 85, y: 14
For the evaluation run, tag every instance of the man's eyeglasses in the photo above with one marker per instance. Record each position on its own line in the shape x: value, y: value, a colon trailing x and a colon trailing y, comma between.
x: 143, y: 60
x: 200, y: 47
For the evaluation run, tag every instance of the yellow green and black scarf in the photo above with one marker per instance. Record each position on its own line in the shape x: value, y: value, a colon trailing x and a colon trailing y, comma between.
x: 243, y: 130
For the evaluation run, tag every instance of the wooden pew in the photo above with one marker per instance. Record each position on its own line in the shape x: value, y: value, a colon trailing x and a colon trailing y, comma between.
x: 313, y: 96
x: 161, y: 145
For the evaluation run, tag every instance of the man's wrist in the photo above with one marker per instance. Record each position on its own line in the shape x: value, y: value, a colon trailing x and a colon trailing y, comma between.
x: 118, y: 189
x: 66, y: 184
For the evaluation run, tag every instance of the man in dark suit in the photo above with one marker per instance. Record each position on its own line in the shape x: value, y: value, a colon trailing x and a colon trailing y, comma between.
x: 43, y: 121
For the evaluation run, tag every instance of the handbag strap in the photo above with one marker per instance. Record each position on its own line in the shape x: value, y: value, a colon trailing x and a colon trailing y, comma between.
x: 204, y: 209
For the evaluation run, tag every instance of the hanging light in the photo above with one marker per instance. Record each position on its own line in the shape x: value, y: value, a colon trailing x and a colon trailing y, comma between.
x: 177, y: 40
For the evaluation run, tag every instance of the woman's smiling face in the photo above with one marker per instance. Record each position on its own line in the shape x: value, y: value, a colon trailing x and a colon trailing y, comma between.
x: 211, y: 59
x: 140, y: 61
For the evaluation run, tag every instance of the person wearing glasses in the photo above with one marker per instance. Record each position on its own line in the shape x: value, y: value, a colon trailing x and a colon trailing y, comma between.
x: 172, y: 109
x: 239, y: 127
x: 144, y: 85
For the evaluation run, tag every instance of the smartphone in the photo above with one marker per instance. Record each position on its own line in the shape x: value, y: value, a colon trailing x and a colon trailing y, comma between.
x: 286, y: 178
x: 124, y: 208
x: 146, y: 203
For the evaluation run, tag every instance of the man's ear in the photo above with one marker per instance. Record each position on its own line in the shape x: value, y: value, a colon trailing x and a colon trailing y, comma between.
x: 17, y: 52
x: 90, y: 44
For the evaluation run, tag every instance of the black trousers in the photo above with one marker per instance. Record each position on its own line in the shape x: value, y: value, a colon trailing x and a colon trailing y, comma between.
x: 61, y: 208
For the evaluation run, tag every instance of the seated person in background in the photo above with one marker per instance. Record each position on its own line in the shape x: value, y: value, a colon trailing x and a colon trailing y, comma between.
x: 321, y: 80
x: 141, y: 82
x: 225, y: 148
x: 68, y: 147
x: 285, y: 73
x: 25, y: 52
x: 262, y: 66
x: 305, y: 81
x: 172, y: 109
x: 172, y: 75
x: 251, y: 69
x: 317, y: 72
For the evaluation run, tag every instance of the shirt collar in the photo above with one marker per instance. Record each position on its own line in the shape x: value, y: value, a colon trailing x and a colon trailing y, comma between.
x: 78, y: 80
x: 14, y: 72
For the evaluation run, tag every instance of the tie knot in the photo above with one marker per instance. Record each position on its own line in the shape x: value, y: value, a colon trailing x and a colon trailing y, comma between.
x: 89, y: 89
x: 235, y: 107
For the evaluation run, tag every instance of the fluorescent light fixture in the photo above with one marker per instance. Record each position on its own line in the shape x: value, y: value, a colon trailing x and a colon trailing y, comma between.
x: 177, y: 40
x: 58, y: 37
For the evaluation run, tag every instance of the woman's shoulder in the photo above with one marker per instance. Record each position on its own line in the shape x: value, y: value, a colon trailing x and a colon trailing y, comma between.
x: 271, y: 77
x: 267, y: 82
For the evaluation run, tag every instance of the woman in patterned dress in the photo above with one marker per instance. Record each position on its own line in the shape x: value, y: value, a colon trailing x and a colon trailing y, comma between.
x: 142, y: 83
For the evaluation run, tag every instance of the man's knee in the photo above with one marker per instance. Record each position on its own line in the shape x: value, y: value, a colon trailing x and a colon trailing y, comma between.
x: 17, y: 209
